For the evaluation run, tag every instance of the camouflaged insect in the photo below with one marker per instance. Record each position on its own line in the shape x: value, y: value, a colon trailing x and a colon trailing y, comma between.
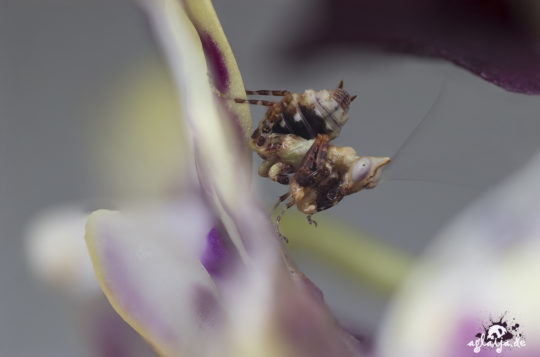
x: 328, y: 173
x: 304, y: 115
x: 293, y: 141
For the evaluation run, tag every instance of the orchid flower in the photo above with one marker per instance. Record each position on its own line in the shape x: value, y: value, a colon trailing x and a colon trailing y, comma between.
x: 482, y: 268
x: 203, y: 273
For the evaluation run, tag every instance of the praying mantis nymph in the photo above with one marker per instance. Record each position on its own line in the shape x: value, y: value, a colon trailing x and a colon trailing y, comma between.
x: 293, y: 140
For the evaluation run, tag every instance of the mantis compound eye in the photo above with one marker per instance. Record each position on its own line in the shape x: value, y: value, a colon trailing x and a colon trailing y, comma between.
x: 361, y: 169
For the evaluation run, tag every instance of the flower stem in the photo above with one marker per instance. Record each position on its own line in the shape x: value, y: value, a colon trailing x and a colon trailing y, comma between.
x: 362, y: 257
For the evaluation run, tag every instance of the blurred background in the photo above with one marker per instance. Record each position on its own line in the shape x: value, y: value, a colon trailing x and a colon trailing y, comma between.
x: 73, y: 73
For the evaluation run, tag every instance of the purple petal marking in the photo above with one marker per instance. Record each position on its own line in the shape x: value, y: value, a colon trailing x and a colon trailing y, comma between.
x: 217, y: 259
x: 487, y: 37
x: 215, y: 61
x: 209, y: 312
x: 220, y: 78
x: 127, y: 293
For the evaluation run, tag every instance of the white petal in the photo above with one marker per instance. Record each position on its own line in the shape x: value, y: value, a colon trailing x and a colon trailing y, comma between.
x: 57, y: 253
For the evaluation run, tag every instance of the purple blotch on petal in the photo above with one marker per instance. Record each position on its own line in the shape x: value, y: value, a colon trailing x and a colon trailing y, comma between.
x: 215, y: 59
x: 217, y: 257
x: 216, y: 62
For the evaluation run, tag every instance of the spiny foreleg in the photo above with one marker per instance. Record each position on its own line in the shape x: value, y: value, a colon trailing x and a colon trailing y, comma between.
x: 280, y: 215
x: 313, y: 166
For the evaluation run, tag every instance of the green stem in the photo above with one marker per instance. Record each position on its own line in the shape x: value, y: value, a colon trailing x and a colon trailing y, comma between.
x: 364, y: 258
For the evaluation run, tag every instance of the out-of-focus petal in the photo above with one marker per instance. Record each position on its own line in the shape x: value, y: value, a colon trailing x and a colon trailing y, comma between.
x: 205, y: 276
x: 221, y: 161
x: 141, y: 149
x: 482, y: 266
x: 174, y: 278
x: 56, y: 251
x: 147, y: 264
x: 492, y: 39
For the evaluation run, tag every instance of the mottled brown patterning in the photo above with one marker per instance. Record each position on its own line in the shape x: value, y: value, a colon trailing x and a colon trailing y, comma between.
x: 293, y: 140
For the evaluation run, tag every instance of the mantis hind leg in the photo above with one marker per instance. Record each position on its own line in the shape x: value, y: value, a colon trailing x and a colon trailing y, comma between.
x: 280, y: 215
x: 311, y: 221
x: 277, y: 93
x: 266, y: 103
x: 281, y: 199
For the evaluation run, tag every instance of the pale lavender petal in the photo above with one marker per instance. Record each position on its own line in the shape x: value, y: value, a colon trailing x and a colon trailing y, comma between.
x: 207, y: 308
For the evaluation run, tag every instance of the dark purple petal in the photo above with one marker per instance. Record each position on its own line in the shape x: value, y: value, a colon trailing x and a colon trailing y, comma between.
x: 488, y: 37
